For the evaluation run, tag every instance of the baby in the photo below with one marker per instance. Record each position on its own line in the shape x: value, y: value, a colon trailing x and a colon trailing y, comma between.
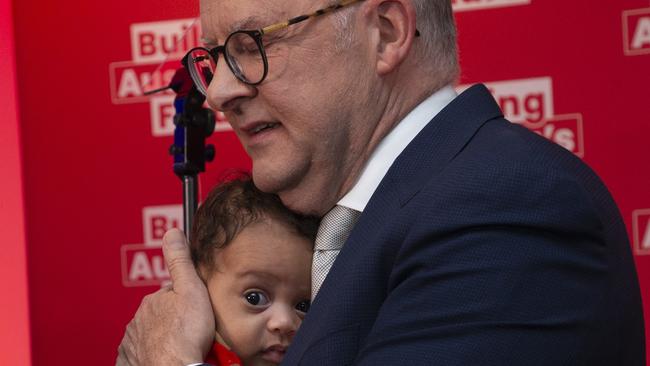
x: 255, y: 257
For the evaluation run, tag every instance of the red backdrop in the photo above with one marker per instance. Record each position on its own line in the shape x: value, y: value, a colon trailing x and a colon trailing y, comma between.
x: 14, y: 323
x: 99, y: 190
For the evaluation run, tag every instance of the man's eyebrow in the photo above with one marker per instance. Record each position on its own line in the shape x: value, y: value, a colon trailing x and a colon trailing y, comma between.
x: 209, y: 42
x: 251, y: 22
x: 248, y: 23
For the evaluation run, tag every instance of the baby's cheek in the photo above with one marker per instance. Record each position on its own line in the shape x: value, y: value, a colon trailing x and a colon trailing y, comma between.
x: 247, y: 335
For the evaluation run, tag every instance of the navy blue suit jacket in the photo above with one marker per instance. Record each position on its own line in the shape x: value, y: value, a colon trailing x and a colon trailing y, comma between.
x: 484, y: 244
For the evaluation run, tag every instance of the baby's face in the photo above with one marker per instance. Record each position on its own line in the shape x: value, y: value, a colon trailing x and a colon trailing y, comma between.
x: 261, y: 290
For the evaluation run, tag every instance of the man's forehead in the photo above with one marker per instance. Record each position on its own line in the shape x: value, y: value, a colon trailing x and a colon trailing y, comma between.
x: 231, y: 15
x: 242, y: 11
x: 222, y: 17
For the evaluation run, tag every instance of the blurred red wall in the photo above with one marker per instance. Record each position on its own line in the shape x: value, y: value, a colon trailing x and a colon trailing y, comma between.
x: 99, y: 190
x: 14, y: 317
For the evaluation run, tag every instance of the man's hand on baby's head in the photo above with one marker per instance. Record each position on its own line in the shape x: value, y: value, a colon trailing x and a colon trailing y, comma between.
x: 175, y: 325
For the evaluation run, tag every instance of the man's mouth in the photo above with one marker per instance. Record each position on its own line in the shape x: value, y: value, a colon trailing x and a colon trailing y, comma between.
x: 261, y: 127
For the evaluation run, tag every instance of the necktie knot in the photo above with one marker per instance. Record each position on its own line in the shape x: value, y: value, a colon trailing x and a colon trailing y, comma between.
x: 334, y: 229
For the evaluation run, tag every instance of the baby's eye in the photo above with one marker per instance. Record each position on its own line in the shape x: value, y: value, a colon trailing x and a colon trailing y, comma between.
x: 303, y: 306
x: 256, y: 298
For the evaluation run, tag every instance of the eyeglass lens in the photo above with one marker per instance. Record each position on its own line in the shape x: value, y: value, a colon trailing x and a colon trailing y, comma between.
x: 201, y: 67
x: 243, y: 55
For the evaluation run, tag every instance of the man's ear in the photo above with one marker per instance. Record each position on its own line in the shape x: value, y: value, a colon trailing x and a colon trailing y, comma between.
x: 394, y: 22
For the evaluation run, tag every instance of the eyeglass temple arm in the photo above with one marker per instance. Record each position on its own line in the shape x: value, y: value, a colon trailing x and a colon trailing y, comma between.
x: 301, y: 18
x: 277, y: 26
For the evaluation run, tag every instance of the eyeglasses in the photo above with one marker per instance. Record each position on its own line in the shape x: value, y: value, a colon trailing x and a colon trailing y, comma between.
x: 244, y: 52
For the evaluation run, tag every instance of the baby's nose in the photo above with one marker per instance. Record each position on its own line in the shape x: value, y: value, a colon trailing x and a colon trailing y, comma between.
x: 284, y: 321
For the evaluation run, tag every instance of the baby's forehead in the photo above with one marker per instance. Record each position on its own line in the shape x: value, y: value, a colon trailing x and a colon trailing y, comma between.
x: 267, y: 239
x: 266, y: 271
x: 256, y: 274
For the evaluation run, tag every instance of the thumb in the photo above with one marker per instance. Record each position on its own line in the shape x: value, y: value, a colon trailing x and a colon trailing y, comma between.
x: 179, y: 262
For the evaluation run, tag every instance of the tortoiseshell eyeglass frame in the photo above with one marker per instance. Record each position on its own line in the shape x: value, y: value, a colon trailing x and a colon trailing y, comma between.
x: 257, y: 35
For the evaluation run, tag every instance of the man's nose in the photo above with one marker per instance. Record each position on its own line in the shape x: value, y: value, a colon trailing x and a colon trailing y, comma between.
x: 284, y: 320
x: 226, y: 92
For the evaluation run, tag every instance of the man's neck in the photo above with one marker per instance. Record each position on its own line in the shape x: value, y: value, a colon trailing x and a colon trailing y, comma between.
x: 395, y: 97
x: 392, y: 146
x: 399, y: 101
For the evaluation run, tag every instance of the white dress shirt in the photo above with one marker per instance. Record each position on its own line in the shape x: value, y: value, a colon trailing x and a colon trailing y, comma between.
x: 392, y: 145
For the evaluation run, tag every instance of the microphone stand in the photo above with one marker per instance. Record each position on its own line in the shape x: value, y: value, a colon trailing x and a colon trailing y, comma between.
x: 193, y: 125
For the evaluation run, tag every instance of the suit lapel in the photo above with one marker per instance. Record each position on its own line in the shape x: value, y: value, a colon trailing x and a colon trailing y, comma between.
x: 439, y: 142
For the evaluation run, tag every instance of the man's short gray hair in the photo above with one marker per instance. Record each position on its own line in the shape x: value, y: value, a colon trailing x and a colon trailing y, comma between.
x: 435, y: 21
x: 437, y: 48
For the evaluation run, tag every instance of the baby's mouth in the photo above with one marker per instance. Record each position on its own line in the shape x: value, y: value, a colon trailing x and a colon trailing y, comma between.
x: 274, y: 354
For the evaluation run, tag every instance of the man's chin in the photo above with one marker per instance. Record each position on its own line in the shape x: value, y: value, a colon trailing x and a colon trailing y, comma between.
x: 292, y: 188
x: 298, y: 204
x: 266, y: 181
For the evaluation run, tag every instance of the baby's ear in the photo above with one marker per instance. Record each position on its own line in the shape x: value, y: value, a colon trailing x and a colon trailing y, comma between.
x: 203, y: 272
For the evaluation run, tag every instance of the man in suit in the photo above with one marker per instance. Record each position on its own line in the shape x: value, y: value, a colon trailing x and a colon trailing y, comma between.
x: 449, y: 235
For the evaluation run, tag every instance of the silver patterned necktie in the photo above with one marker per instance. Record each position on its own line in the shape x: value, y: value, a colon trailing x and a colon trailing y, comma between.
x: 334, y: 229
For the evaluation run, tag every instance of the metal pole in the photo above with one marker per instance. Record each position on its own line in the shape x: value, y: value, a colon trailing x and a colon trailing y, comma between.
x: 190, y: 202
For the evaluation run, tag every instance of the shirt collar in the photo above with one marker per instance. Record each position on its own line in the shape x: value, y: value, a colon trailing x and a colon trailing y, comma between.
x: 392, y: 146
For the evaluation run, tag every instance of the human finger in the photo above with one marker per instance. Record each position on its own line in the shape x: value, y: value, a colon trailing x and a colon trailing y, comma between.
x: 125, y: 352
x: 179, y: 262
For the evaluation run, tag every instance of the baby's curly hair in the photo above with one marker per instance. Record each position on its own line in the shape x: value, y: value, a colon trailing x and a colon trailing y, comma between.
x: 228, y: 209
